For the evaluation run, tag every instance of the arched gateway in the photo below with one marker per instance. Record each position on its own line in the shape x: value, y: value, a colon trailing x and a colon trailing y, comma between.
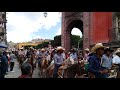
x: 95, y: 26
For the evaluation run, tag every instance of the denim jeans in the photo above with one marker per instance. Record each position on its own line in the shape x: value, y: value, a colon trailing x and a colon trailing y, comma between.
x: 55, y: 73
x: 102, y: 76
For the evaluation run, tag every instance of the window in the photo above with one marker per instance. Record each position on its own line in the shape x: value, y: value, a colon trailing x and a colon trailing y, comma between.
x: 118, y: 23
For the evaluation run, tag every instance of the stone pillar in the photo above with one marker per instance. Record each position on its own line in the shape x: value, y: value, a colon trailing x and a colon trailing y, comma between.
x: 86, y: 30
x: 63, y: 30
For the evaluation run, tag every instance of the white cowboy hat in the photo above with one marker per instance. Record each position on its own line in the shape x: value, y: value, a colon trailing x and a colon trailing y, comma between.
x: 118, y: 48
x: 7, y: 51
x: 42, y: 49
x: 31, y: 47
x: 59, y: 48
x: 69, y: 52
x: 21, y: 48
x: 117, y: 51
x: 97, y: 46
x: 87, y: 49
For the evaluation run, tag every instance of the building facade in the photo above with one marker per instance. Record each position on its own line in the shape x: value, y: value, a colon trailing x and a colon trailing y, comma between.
x: 3, y: 21
x: 96, y: 27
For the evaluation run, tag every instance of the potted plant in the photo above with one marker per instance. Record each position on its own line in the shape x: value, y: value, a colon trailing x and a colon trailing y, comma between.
x: 2, y: 33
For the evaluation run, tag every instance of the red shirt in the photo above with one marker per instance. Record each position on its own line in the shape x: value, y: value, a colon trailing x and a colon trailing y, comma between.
x: 24, y: 76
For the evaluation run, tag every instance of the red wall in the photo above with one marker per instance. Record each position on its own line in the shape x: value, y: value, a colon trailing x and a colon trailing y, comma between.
x: 101, y: 23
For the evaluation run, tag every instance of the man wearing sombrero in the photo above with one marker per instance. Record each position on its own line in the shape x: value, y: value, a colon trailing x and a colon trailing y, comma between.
x: 58, y: 60
x: 116, y: 59
x: 94, y: 65
x: 73, y: 55
x: 41, y: 55
x: 107, y: 58
x: 86, y: 57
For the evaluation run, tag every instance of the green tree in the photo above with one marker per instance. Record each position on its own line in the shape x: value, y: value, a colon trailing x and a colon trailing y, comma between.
x: 52, y: 43
x: 75, y: 39
x: 28, y: 46
x: 44, y: 44
x: 81, y: 43
x: 57, y: 40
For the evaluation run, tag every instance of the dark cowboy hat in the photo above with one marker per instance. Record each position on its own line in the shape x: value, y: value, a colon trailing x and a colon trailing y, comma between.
x: 108, y: 49
x: 73, y: 49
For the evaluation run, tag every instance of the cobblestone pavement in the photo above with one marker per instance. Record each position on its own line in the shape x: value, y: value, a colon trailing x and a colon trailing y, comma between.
x: 17, y: 72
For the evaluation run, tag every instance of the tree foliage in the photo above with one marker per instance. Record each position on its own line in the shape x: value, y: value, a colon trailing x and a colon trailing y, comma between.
x: 75, y: 41
x: 44, y: 44
x: 57, y: 40
x: 27, y: 47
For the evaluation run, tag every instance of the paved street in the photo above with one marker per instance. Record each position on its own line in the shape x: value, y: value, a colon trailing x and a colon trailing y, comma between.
x: 17, y: 72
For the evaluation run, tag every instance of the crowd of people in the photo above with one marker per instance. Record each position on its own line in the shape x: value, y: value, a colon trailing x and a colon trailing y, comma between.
x: 98, y: 61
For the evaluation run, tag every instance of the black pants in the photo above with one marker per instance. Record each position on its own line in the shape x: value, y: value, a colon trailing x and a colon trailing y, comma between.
x: 11, y: 66
x: 3, y: 71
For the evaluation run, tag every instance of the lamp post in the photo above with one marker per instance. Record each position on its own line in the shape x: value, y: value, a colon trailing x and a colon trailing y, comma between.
x: 78, y: 43
x: 45, y: 14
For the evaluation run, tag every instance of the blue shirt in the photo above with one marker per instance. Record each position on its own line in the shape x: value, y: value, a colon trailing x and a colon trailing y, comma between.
x: 106, y: 61
x: 73, y: 55
x: 95, y: 66
x: 58, y: 59
x: 41, y: 55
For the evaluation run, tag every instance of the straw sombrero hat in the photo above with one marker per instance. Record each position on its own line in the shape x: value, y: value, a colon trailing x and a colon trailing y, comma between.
x: 97, y: 46
x: 42, y: 49
x: 117, y: 51
x: 7, y: 51
x: 59, y: 48
x: 87, y: 49
x: 21, y: 48
x: 118, y: 48
x: 69, y: 52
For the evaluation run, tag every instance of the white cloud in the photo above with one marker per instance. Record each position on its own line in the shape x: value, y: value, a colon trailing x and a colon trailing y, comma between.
x: 59, y: 32
x: 75, y: 31
x: 21, y: 25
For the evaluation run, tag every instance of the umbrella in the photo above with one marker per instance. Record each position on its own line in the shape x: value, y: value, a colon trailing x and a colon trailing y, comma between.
x: 3, y: 45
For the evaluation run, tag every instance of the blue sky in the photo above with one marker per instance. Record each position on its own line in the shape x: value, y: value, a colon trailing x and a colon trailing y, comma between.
x: 48, y: 34
x: 25, y: 26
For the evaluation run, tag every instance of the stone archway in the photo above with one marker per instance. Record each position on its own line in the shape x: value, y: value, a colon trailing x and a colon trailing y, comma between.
x: 97, y: 27
x: 75, y: 23
x: 69, y: 21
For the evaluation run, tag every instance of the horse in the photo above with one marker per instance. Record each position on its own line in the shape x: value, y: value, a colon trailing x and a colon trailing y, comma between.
x: 21, y: 59
x: 43, y: 67
x: 49, y: 70
x: 74, y: 70
x: 67, y: 63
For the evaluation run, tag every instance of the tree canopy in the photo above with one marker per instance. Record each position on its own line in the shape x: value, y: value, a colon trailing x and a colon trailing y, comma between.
x: 75, y: 41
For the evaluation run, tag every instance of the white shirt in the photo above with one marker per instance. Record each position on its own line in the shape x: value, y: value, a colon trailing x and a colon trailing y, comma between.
x: 116, y: 60
x: 37, y: 53
x: 21, y: 53
x: 63, y: 55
